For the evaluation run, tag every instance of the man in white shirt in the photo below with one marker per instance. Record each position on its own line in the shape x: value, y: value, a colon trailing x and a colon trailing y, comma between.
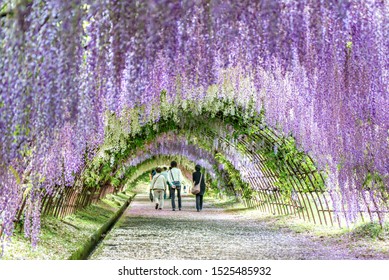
x: 175, y: 178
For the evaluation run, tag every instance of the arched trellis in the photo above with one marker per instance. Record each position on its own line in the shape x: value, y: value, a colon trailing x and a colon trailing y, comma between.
x: 66, y: 201
x: 316, y: 83
x: 308, y: 197
x: 306, y: 201
x: 304, y: 195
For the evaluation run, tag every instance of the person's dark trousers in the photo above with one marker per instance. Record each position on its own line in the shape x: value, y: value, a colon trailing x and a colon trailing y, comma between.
x: 173, y: 192
x: 199, y: 202
x: 170, y: 192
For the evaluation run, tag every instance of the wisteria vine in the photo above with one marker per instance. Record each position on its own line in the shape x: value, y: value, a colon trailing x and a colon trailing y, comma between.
x: 318, y: 69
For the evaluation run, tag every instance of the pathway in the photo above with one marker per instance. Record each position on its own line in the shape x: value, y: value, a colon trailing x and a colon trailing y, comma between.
x: 214, y: 233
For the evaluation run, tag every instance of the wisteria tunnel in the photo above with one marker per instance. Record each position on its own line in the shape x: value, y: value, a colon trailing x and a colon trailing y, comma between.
x: 285, y: 104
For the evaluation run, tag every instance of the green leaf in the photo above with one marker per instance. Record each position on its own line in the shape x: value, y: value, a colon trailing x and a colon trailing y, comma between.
x: 27, y: 190
x: 16, y: 175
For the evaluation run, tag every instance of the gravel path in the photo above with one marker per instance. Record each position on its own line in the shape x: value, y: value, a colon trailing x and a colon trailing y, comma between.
x: 215, y: 233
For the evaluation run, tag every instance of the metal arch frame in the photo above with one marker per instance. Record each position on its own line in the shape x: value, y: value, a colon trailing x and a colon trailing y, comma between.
x: 310, y: 203
x: 270, y: 196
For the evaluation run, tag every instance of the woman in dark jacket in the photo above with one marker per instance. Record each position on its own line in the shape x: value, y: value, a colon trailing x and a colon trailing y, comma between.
x: 196, y: 178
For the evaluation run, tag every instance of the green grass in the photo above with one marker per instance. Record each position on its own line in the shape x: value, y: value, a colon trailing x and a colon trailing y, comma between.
x: 60, y: 238
x: 371, y: 230
x: 228, y: 202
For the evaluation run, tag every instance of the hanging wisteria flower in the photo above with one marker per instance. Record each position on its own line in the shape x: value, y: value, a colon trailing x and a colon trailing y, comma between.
x: 318, y: 70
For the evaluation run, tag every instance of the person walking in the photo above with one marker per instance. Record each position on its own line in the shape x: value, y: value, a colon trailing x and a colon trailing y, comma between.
x: 164, y: 173
x: 175, y: 179
x: 197, y: 176
x: 158, y: 185
x: 151, y: 176
x: 169, y: 183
